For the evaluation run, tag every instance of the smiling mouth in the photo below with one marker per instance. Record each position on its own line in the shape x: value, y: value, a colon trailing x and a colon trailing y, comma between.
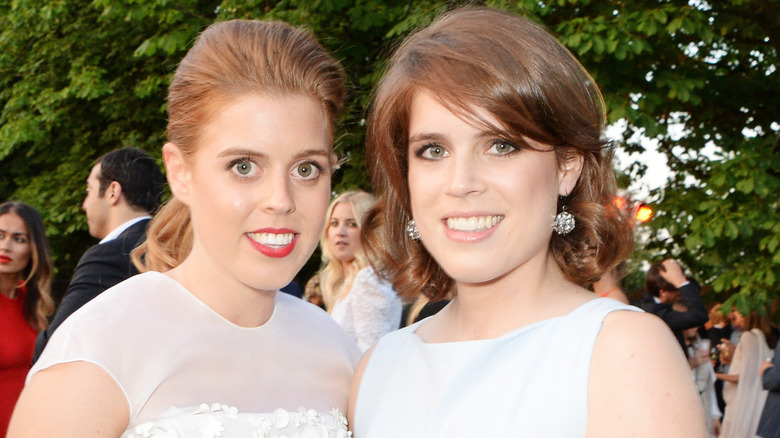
x: 272, y: 239
x: 474, y: 223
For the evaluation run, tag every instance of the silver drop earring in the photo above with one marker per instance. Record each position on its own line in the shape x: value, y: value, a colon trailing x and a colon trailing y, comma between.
x: 412, y: 231
x: 564, y: 222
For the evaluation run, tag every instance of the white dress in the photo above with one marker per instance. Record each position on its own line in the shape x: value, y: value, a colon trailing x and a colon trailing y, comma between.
x: 530, y: 382
x: 370, y: 310
x: 745, y: 399
x: 188, y: 372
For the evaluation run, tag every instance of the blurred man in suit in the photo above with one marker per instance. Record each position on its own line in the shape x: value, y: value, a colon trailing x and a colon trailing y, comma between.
x: 124, y: 189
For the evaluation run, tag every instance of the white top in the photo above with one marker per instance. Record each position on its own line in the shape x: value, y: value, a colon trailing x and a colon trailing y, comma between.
x: 532, y: 381
x: 370, y: 310
x: 187, y: 371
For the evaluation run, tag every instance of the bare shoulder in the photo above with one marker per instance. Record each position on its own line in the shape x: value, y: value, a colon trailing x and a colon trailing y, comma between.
x: 640, y: 383
x: 355, y: 386
x: 75, y: 399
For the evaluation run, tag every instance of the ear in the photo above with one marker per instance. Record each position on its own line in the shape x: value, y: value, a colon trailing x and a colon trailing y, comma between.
x: 178, y: 172
x: 569, y: 173
x: 113, y: 193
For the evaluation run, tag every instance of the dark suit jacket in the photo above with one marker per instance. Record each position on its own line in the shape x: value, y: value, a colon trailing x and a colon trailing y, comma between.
x: 769, y: 425
x: 679, y: 321
x: 101, y: 267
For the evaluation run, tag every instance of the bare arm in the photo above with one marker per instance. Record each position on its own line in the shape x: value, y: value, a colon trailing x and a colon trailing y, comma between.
x: 76, y: 399
x: 355, y: 386
x: 638, y: 376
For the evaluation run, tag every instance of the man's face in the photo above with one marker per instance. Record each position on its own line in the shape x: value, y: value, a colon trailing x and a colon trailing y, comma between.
x: 95, y: 206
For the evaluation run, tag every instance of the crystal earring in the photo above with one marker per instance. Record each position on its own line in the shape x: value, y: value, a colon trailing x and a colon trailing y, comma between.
x: 412, y: 231
x: 564, y: 222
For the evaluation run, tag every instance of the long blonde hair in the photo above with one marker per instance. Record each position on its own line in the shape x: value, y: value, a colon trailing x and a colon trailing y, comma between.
x: 232, y: 59
x: 335, y: 277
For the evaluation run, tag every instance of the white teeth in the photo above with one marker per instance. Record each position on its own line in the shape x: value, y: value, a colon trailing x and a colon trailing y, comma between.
x: 474, y: 223
x: 272, y: 239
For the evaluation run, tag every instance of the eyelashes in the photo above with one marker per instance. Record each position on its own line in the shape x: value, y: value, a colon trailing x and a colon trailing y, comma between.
x: 246, y: 168
x: 497, y: 147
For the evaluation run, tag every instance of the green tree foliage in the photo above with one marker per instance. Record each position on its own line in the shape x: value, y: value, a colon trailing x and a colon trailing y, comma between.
x: 79, y: 78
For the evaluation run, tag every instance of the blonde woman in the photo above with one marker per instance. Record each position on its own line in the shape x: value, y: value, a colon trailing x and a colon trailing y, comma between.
x: 365, y: 306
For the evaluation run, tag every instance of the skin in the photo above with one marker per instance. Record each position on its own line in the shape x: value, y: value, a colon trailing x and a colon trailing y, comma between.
x: 15, y: 252
x: 344, y: 233
x: 506, y: 278
x: 256, y: 167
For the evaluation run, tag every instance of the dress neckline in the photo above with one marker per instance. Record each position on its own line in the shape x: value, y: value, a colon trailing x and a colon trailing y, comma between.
x: 179, y: 288
x: 512, y: 333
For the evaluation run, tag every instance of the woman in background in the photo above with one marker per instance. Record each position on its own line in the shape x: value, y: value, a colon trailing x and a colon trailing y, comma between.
x: 363, y: 304
x: 25, y: 302
x: 742, y: 387
x: 493, y: 176
x: 203, y: 344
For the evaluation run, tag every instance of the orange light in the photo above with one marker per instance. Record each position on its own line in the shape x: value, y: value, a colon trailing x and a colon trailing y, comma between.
x: 643, y: 213
x: 620, y: 202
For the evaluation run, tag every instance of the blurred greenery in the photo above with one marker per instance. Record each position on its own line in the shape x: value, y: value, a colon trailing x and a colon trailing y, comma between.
x: 79, y: 78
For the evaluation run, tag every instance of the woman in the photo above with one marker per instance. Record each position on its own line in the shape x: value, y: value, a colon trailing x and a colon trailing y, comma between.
x: 742, y: 387
x: 203, y: 345
x: 365, y: 306
x: 25, y: 302
x: 485, y: 134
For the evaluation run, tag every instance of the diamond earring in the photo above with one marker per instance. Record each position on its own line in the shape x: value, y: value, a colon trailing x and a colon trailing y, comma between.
x: 564, y: 222
x: 412, y: 231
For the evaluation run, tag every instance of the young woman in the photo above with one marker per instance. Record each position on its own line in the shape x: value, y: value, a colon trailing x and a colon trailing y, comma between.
x: 203, y: 345
x: 742, y: 387
x: 25, y: 297
x: 491, y: 171
x: 363, y: 304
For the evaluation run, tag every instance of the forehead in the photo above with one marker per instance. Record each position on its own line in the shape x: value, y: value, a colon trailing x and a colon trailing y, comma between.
x: 12, y: 223
x: 94, y: 173
x: 343, y: 210
x: 273, y: 126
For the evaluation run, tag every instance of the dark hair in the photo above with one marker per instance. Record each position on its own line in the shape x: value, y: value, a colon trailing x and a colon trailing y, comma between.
x: 38, y: 304
x: 517, y: 72
x: 654, y: 282
x: 231, y: 59
x: 139, y: 175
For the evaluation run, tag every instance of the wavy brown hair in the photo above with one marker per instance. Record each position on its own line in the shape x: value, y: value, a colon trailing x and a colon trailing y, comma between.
x: 36, y: 276
x: 525, y: 79
x: 229, y: 60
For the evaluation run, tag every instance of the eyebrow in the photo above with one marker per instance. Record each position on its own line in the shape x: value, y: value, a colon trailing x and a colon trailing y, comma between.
x: 241, y: 152
x: 436, y: 137
x: 14, y: 234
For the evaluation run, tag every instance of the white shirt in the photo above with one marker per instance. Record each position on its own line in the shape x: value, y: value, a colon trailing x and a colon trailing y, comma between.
x: 121, y: 229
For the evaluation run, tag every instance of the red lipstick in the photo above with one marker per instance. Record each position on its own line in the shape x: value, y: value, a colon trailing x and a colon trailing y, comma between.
x: 5, y: 259
x: 274, y: 251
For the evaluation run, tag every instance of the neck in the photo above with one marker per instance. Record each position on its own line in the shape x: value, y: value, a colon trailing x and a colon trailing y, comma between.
x: 121, y: 216
x: 489, y: 310
x: 8, y: 283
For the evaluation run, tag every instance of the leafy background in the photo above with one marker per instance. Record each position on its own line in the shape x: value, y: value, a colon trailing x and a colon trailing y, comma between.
x: 79, y: 78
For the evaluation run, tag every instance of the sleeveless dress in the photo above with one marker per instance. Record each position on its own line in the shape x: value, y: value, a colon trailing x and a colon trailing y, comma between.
x: 188, y: 372
x: 530, y: 382
x: 17, y: 340
x: 370, y: 310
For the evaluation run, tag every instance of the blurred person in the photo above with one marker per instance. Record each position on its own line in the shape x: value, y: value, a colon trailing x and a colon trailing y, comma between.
x: 366, y: 306
x: 124, y: 189
x: 698, y: 353
x: 769, y: 423
x: 203, y: 344
x: 312, y: 292
x: 666, y: 283
x: 493, y: 177
x: 742, y: 389
x: 719, y: 329
x: 25, y: 301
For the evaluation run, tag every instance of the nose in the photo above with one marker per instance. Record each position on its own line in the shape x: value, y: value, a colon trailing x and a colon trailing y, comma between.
x: 465, y: 176
x: 341, y: 230
x: 279, y: 199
